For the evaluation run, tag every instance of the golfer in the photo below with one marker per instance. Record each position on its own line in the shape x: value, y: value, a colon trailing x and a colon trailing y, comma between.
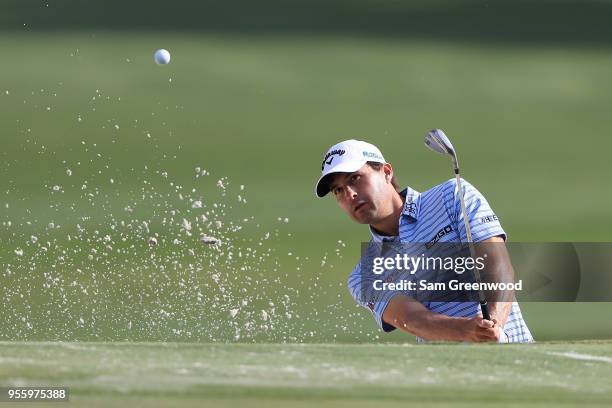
x: 364, y: 186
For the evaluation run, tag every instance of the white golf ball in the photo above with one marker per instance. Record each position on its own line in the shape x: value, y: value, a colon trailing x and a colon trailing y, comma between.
x: 162, y: 57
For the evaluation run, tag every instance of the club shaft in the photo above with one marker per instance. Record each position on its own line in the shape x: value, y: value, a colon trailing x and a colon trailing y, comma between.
x: 468, y: 232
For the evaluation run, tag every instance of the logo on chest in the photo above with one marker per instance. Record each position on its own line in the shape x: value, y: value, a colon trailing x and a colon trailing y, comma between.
x: 444, y: 231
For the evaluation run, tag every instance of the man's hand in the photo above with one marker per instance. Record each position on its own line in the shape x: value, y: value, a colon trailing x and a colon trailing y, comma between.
x: 478, y: 329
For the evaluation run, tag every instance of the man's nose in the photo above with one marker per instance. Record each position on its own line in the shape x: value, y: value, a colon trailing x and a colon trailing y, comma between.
x: 351, y: 193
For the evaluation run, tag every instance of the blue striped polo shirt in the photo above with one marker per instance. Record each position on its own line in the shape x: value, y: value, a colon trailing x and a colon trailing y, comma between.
x: 424, y: 215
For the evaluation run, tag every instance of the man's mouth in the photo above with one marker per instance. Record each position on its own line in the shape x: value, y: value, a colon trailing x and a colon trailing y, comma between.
x: 359, y: 206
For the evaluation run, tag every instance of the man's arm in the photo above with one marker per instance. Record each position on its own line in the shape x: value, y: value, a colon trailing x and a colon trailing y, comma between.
x: 411, y: 316
x: 498, y: 269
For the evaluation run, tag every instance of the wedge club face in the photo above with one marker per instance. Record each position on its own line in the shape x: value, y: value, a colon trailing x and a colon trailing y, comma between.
x: 437, y: 141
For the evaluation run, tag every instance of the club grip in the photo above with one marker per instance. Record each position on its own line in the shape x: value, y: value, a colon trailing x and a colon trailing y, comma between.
x: 485, y: 310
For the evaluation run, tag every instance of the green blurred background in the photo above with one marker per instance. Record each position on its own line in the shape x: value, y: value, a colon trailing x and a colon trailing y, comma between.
x: 255, y: 93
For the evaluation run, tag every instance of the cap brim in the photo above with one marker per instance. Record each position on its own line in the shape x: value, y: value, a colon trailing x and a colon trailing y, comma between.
x: 322, y: 187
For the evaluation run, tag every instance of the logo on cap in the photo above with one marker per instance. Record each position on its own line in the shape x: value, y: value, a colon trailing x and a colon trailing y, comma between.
x: 370, y: 155
x: 330, y: 155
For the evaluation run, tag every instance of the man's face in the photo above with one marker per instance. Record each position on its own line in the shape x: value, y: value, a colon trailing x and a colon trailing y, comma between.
x: 366, y: 195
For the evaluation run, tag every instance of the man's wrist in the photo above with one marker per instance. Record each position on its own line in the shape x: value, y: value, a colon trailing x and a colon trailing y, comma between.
x: 460, y: 329
x: 499, y: 312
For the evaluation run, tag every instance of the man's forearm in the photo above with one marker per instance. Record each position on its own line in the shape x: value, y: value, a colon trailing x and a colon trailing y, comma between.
x: 413, y: 317
x: 433, y: 326
x: 498, y: 269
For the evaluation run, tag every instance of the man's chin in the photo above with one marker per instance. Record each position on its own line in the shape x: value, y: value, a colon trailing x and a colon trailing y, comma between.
x: 363, y: 217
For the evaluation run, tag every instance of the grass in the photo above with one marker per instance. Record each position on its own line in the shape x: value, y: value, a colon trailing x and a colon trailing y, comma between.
x: 296, y: 375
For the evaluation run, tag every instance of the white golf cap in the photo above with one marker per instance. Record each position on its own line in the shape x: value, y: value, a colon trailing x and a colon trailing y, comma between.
x: 346, y: 157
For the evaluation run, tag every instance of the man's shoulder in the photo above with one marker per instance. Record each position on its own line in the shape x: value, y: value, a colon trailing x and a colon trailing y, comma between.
x: 448, y: 185
x: 447, y: 188
x: 354, y: 281
x: 354, y: 278
x: 356, y: 272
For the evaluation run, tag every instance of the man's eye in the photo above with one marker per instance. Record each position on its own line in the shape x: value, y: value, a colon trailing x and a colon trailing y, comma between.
x: 356, y: 177
x: 337, y: 190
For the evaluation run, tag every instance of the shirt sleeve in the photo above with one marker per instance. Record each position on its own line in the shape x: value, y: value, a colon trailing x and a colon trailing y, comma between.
x: 484, y: 223
x: 375, y: 303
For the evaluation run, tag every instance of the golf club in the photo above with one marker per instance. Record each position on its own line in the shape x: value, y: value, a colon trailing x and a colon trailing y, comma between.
x: 437, y: 141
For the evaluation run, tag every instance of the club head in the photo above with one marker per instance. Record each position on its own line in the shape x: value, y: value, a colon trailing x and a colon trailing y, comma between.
x: 437, y: 141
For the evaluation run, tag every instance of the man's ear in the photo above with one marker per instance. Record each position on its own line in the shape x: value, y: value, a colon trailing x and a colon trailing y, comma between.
x: 388, y: 170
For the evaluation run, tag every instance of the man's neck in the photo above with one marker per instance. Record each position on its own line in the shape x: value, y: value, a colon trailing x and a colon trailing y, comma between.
x: 389, y: 226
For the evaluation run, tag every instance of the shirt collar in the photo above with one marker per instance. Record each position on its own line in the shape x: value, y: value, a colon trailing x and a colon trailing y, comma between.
x: 411, y: 208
